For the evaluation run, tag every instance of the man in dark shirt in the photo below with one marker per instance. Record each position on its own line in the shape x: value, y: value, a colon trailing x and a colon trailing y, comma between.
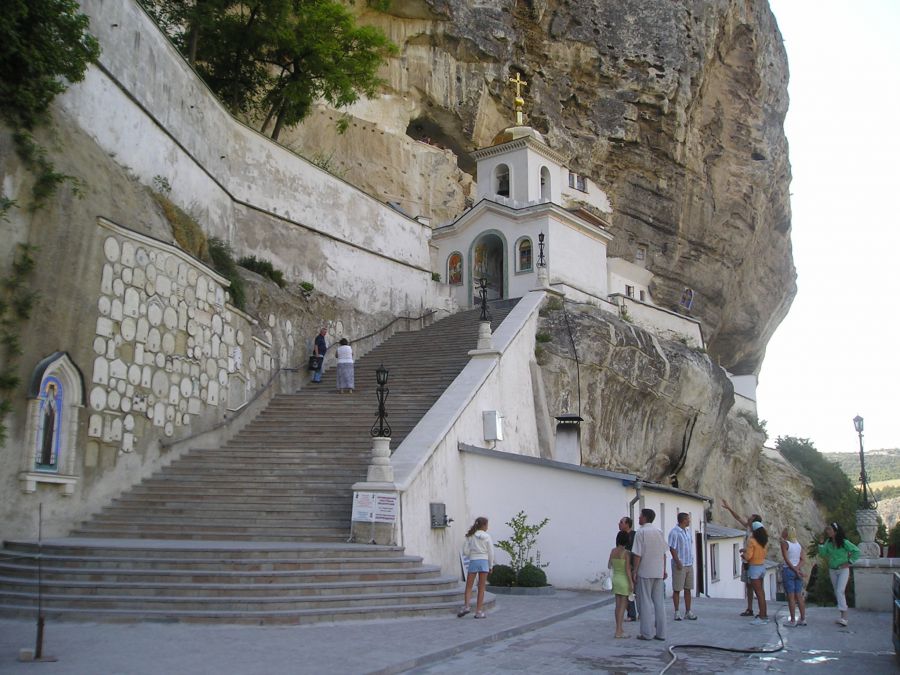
x: 319, y: 349
x: 626, y: 526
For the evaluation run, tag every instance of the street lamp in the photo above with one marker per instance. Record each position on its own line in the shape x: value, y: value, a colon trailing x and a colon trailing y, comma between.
x: 381, y: 428
x: 482, y: 292
x: 541, y: 262
x: 865, y: 501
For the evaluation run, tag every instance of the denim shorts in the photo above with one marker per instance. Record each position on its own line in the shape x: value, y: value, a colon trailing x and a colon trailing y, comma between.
x: 792, y: 583
x: 480, y: 565
x: 756, y: 572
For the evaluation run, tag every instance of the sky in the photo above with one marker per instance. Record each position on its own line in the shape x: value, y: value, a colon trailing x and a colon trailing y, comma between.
x: 835, y: 355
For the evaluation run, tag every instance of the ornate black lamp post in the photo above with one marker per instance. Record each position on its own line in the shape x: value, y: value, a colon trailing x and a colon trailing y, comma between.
x: 541, y: 262
x: 381, y: 428
x: 482, y: 291
x: 865, y: 501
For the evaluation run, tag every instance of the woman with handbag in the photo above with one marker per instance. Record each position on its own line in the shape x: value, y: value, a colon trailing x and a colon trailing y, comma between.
x: 319, y: 349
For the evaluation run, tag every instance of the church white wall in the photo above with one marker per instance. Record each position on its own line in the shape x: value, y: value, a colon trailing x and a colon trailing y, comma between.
x: 145, y: 106
x: 666, y: 324
x: 427, y: 467
x: 584, y: 507
x: 576, y: 260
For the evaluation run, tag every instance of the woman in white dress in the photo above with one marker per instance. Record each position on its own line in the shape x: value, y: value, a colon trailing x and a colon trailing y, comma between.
x: 345, y: 367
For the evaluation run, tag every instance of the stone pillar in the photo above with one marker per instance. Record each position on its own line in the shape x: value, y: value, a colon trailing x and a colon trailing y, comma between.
x: 484, y: 336
x: 543, y: 277
x: 380, y: 469
x: 867, y: 526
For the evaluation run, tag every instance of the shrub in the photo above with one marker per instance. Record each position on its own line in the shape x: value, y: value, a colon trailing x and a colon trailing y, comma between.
x: 501, y: 575
x: 519, y: 545
x: 435, y: 276
x: 187, y: 232
x: 223, y: 261
x: 263, y: 268
x: 543, y: 337
x: 531, y: 576
x: 306, y: 287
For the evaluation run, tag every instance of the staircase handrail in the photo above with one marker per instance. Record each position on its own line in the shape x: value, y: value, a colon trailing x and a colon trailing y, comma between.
x: 237, y: 412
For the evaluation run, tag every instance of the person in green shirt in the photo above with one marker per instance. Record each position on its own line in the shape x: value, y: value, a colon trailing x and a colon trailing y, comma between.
x: 839, y: 552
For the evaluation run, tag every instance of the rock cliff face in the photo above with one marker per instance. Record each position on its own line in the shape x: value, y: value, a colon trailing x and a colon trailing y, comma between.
x: 662, y: 410
x: 674, y: 108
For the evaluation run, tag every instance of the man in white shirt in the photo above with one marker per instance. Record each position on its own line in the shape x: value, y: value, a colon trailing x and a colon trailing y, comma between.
x: 681, y: 546
x: 649, y: 574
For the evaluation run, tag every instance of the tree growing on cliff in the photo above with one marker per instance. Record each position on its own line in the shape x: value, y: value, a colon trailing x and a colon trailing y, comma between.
x: 44, y: 46
x: 272, y: 59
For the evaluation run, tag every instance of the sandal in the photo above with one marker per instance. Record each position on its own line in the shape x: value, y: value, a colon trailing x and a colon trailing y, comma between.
x: 480, y: 615
x: 461, y: 613
x: 747, y: 612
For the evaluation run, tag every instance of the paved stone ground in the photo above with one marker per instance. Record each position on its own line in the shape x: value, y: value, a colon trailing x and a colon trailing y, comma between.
x: 567, y: 632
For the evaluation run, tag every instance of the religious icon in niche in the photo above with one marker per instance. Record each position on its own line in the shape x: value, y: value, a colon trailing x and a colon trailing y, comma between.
x: 47, y: 451
x: 455, y: 269
x: 480, y: 265
x: 525, y: 256
x: 687, y: 298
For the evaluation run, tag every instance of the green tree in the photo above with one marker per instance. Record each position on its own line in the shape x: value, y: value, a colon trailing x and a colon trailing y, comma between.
x: 272, y: 59
x: 44, y: 46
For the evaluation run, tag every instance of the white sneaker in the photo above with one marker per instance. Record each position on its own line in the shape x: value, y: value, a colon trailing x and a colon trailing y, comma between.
x: 678, y: 616
x: 759, y: 621
x: 789, y: 624
x: 690, y: 616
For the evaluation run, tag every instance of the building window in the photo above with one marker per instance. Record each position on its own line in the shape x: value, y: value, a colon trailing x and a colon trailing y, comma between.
x: 525, y: 255
x: 501, y: 180
x: 545, y: 183
x: 714, y: 562
x: 736, y: 560
x: 455, y: 269
x: 687, y: 298
x: 643, y: 295
x: 641, y: 253
x: 629, y: 291
x: 577, y: 182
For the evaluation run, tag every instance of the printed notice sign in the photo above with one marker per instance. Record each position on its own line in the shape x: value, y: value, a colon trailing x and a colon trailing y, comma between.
x: 363, y: 507
x: 385, y: 508
x: 375, y: 507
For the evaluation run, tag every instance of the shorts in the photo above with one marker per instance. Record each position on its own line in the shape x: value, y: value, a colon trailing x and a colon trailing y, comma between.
x: 756, y: 572
x: 479, y: 565
x: 682, y: 579
x: 792, y: 583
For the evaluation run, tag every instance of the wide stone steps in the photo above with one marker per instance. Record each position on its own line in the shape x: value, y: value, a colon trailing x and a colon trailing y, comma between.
x: 256, y: 530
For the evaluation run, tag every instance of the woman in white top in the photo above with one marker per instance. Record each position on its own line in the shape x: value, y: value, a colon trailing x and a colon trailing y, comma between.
x: 345, y: 367
x: 792, y: 574
x: 479, y: 549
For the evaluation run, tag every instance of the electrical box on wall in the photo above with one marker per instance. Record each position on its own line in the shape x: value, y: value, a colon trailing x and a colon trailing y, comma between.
x: 439, y: 517
x: 493, y: 425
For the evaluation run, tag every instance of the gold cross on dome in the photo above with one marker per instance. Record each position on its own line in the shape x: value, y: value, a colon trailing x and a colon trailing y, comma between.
x: 520, y: 102
x: 519, y: 82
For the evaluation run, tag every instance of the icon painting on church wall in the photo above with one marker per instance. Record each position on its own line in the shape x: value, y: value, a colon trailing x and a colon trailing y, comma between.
x: 687, y: 298
x: 47, y: 450
x: 455, y: 269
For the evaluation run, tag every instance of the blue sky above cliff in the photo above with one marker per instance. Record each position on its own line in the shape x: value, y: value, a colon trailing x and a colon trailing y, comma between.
x: 836, y: 353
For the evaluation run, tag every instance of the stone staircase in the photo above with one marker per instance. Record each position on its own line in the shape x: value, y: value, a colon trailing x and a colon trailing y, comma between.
x: 256, y: 530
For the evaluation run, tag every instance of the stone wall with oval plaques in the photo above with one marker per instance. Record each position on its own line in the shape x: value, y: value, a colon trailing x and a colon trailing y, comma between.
x: 168, y: 346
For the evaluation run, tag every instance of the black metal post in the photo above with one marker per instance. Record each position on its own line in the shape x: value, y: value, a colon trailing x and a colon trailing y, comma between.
x: 39, y: 641
x: 381, y: 427
x: 482, y: 291
x: 541, y: 262
x: 865, y: 501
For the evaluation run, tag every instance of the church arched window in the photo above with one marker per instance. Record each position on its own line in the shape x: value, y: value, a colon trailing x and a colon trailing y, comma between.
x: 524, y: 255
x: 501, y: 180
x: 545, y: 184
x: 56, y: 394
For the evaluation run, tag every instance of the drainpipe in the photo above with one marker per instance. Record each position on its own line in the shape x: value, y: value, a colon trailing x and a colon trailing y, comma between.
x: 637, y: 497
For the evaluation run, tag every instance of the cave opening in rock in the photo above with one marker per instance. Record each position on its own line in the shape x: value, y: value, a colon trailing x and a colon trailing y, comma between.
x: 427, y: 130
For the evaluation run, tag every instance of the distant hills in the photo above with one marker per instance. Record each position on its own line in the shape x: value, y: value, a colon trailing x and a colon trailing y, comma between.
x: 881, y: 465
x: 883, y: 469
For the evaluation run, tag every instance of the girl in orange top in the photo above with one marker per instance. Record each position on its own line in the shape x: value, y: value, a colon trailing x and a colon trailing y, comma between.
x: 755, y: 555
